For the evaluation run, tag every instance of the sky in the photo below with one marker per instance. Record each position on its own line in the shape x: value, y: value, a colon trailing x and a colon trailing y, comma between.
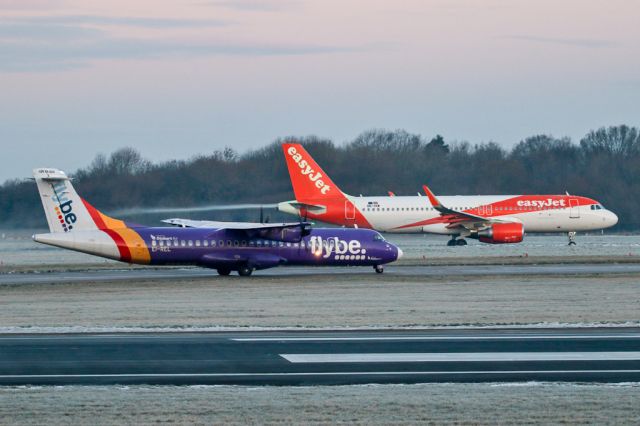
x: 177, y: 78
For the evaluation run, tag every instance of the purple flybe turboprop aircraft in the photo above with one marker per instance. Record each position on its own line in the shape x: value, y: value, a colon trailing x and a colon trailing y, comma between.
x: 225, y: 246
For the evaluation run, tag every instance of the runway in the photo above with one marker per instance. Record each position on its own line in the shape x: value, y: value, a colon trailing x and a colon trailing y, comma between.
x: 323, y: 358
x: 439, y: 271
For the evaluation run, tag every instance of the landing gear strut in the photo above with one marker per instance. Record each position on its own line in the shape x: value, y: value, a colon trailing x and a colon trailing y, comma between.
x: 572, y: 238
x: 379, y: 269
x: 453, y: 242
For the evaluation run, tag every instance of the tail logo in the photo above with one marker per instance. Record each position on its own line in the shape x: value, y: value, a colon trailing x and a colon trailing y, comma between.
x: 308, y: 171
x: 64, y: 208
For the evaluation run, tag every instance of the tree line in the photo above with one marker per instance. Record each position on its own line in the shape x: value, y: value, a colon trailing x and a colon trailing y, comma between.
x: 604, y: 165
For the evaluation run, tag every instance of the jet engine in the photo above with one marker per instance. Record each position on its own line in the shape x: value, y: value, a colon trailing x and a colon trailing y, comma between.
x: 502, y: 233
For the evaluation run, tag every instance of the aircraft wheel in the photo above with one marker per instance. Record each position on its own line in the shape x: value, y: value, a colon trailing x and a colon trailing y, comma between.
x: 223, y: 271
x: 452, y: 242
x: 245, y: 271
x: 461, y: 242
x: 379, y: 269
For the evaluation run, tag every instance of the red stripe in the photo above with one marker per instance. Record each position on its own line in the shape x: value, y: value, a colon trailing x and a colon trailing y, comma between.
x: 95, y: 215
x: 125, y: 253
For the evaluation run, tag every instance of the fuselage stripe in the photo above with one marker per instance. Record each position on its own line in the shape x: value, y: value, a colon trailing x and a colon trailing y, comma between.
x: 123, y: 249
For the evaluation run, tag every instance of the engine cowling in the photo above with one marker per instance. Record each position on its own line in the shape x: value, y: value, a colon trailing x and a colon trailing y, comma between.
x: 502, y: 233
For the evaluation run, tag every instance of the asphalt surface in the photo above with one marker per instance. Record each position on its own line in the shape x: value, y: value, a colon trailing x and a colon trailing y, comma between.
x: 439, y: 271
x: 321, y: 358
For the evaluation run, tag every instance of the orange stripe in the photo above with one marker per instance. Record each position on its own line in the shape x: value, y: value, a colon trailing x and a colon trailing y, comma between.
x: 139, y: 253
x: 130, y: 244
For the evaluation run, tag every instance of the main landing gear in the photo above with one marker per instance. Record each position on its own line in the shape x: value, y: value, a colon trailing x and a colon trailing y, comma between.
x: 572, y: 238
x: 245, y: 271
x: 379, y: 269
x: 453, y: 242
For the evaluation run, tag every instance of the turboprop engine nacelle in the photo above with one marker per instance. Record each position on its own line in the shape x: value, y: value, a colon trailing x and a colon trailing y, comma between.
x: 501, y: 233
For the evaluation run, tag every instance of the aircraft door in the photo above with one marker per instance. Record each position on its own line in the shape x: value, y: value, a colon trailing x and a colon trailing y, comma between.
x: 489, y: 209
x: 574, y: 209
x: 349, y: 210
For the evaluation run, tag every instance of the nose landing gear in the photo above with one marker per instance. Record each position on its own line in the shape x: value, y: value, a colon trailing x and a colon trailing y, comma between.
x: 379, y: 269
x: 572, y: 238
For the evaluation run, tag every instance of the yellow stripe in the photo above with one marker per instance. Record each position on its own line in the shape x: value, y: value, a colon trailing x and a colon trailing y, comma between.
x: 137, y: 246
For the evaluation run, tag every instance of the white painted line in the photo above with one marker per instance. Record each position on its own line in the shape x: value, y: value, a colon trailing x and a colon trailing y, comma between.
x: 306, y: 374
x: 426, y: 338
x: 462, y: 357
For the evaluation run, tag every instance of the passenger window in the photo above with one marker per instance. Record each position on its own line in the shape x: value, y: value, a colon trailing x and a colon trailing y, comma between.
x: 153, y: 243
x: 236, y: 243
x: 205, y: 243
x: 244, y: 243
x: 197, y: 243
x: 183, y: 243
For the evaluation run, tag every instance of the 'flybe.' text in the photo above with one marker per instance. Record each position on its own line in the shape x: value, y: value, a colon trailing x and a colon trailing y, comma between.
x: 335, y: 245
x: 64, y: 209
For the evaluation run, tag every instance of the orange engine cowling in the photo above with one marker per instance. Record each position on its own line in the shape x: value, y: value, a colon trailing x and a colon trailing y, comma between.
x: 502, y: 233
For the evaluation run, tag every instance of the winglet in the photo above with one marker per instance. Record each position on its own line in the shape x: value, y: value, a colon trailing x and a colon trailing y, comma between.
x: 432, y: 198
x: 391, y: 194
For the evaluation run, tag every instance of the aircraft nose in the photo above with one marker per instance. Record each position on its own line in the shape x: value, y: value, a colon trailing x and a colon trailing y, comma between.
x: 400, y: 253
x: 612, y: 218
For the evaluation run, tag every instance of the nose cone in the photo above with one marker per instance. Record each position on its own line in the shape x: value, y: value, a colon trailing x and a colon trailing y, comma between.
x: 400, y: 253
x: 611, y: 218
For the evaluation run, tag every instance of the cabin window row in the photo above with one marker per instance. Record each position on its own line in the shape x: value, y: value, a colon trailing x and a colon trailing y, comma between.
x: 508, y: 208
x: 227, y: 243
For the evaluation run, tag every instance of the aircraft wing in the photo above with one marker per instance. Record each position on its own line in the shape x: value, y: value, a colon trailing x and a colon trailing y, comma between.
x: 188, y: 223
x: 288, y: 232
x: 455, y: 218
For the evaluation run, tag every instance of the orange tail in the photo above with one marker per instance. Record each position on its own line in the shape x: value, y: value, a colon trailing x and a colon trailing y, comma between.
x: 309, y: 181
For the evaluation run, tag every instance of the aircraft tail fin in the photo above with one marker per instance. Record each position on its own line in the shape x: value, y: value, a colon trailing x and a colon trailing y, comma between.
x: 308, y: 179
x: 65, y: 210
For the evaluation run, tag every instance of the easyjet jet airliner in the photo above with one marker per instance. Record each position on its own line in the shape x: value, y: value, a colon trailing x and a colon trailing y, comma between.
x: 494, y: 219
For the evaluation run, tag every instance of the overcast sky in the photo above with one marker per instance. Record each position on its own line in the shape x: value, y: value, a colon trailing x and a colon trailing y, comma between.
x: 174, y: 78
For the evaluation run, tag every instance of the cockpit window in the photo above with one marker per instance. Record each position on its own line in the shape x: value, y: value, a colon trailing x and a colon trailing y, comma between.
x: 378, y: 237
x: 597, y: 207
